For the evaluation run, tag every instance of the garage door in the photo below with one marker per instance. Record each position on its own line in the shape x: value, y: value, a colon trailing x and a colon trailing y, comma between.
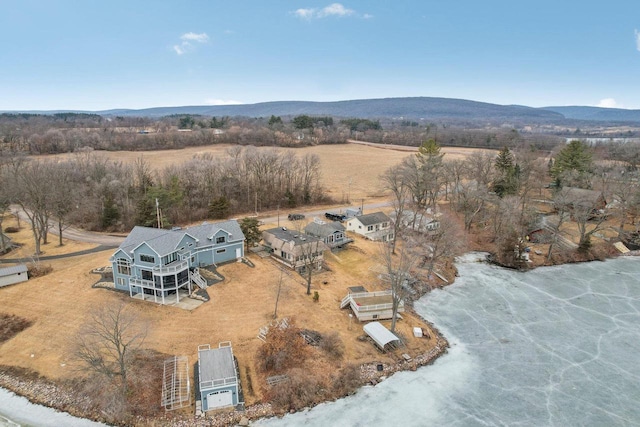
x: 219, y: 399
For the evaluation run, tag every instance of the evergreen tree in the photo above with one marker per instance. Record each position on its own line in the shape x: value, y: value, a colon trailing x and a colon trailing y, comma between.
x: 251, y: 229
x: 219, y: 208
x: 574, y: 161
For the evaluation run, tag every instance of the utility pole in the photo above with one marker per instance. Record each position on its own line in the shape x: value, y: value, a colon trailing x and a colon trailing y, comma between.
x: 158, y: 213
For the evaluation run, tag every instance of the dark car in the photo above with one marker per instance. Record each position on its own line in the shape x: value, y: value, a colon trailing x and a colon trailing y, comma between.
x: 335, y: 217
x: 295, y: 217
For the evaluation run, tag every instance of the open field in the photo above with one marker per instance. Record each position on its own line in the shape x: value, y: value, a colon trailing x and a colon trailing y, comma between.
x: 349, y: 171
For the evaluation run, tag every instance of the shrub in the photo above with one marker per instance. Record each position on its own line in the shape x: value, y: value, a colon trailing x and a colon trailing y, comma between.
x: 332, y: 345
x: 347, y: 380
x: 39, y: 270
x: 11, y: 230
x: 301, y: 390
x: 283, y: 348
x: 316, y: 296
x: 11, y: 325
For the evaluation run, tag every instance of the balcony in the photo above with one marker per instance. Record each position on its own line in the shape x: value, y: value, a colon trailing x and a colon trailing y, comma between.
x: 173, y: 268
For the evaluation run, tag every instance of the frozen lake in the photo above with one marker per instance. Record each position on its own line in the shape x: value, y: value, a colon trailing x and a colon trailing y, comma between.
x: 559, y: 346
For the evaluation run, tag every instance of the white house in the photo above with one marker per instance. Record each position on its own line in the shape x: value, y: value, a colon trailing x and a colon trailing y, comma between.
x: 374, y: 226
x: 13, y: 275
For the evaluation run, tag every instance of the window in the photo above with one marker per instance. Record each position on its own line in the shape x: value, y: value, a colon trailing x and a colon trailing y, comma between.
x: 120, y: 281
x: 147, y: 258
x: 124, y: 266
x: 220, y: 239
x: 370, y: 228
x: 146, y: 275
x: 221, y: 251
x: 190, y: 244
x: 385, y: 224
x: 170, y: 258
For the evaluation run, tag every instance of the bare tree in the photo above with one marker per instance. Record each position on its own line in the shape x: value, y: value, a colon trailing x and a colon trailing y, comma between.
x: 446, y: 241
x: 107, y: 341
x: 472, y: 201
x: 395, y: 180
x: 399, y: 268
x: 278, y: 291
x: 310, y: 253
x: 34, y: 193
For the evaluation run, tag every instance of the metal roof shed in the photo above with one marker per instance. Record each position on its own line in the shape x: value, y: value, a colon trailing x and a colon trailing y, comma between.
x: 381, y: 335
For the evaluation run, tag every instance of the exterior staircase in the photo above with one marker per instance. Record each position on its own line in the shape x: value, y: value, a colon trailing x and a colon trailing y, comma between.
x: 198, y: 279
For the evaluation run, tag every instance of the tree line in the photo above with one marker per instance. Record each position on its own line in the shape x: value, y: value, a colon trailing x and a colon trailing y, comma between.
x: 498, y: 196
x: 94, y: 193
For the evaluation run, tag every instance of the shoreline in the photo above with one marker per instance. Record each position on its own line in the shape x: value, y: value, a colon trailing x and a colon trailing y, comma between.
x: 42, y: 391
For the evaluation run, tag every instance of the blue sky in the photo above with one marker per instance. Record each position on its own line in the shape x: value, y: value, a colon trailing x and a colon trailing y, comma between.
x: 97, y: 55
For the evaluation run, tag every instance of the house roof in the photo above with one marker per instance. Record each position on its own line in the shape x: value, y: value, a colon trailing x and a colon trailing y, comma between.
x: 286, y: 235
x: 581, y: 195
x: 381, y: 335
x: 165, y: 242
x: 373, y: 218
x: 216, y: 364
x: 323, y: 229
x: 16, y: 269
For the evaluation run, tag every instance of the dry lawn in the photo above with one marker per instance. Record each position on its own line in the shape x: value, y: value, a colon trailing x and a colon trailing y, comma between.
x: 58, y: 304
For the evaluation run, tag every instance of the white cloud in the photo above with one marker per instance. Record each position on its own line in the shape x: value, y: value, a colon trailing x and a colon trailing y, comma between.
x: 182, y: 48
x: 637, y: 33
x: 187, y: 38
x: 305, y: 13
x: 200, y: 38
x: 222, y: 102
x: 334, y: 9
x: 609, y: 103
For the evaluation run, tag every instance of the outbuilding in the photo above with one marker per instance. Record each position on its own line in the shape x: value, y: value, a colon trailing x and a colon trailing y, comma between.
x: 13, y: 275
x: 218, y: 377
x: 384, y: 338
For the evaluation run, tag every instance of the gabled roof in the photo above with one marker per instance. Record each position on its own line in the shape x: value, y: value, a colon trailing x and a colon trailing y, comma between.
x: 164, y: 242
x: 373, y: 218
x: 10, y: 271
x: 323, y: 229
x: 574, y: 194
x: 296, y: 238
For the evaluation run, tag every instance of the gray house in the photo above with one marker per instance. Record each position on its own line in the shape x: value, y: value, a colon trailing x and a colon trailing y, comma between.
x: 157, y: 264
x: 294, y: 249
x: 374, y: 226
x: 217, y: 377
x: 332, y: 233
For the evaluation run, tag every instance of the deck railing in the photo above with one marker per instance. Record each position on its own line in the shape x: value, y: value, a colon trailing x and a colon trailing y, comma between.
x: 217, y: 383
x: 172, y: 268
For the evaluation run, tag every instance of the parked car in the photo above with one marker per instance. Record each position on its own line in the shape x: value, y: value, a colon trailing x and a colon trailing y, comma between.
x: 295, y: 216
x: 335, y: 217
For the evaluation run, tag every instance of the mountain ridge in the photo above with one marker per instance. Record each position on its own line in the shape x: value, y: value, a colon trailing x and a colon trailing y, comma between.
x: 414, y: 108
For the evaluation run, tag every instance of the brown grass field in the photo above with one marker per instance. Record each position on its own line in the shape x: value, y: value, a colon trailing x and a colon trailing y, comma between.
x: 342, y: 163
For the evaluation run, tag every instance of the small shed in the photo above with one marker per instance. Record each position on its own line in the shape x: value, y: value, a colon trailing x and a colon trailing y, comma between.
x: 13, y: 275
x: 218, y: 378
x: 383, y: 337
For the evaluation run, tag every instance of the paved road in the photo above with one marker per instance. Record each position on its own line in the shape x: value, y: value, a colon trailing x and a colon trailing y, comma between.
x: 107, y: 241
x: 51, y: 257
x: 369, y: 208
x: 74, y: 233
